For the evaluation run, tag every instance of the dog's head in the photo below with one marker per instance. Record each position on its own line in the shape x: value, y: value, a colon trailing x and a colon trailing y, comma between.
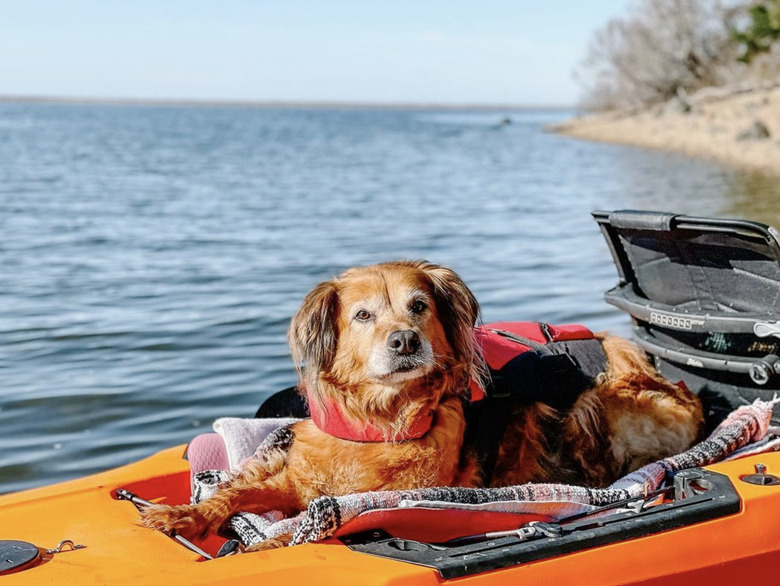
x: 380, y: 337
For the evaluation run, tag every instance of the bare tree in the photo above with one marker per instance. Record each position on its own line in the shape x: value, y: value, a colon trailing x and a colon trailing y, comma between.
x: 665, y: 48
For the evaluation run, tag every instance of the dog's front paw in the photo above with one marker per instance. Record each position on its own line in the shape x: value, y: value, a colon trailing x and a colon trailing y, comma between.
x: 184, y: 520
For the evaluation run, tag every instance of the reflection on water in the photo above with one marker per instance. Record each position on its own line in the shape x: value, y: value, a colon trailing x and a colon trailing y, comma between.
x: 152, y: 257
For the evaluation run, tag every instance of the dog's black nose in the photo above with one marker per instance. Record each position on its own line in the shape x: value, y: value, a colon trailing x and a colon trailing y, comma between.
x: 403, y: 342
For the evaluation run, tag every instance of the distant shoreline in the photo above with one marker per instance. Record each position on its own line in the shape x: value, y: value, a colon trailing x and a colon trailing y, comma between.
x: 276, y: 104
x: 737, y: 127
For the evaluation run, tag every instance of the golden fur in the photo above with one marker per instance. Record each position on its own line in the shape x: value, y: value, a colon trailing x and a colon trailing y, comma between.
x: 346, y: 335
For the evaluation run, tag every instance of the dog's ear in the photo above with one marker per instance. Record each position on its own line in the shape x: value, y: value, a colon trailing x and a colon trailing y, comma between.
x: 313, y: 334
x: 458, y: 312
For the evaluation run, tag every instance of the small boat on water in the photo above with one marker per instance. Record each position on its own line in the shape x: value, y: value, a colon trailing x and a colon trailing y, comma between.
x: 704, y: 296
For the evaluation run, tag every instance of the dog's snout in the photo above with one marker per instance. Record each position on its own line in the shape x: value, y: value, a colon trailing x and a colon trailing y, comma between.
x: 403, y: 342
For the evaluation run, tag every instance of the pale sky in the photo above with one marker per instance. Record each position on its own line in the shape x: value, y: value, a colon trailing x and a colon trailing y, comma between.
x: 442, y: 51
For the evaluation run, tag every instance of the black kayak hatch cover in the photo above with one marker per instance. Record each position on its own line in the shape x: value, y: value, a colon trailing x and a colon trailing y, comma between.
x: 16, y: 555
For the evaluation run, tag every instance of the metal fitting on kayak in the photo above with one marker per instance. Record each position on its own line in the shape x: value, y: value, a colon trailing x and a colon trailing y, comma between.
x: 764, y: 369
x: 65, y: 543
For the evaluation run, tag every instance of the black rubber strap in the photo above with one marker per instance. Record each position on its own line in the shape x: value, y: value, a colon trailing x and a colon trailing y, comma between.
x: 538, y: 346
x: 640, y: 220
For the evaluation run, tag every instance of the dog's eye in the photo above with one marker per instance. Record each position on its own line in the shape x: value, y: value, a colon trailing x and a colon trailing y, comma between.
x: 418, y: 307
x: 362, y: 315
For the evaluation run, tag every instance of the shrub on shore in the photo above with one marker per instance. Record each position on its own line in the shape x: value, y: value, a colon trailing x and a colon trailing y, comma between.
x: 761, y: 29
x: 666, y: 49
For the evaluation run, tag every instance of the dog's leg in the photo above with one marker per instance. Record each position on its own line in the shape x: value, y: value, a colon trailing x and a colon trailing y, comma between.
x: 252, y: 491
x: 632, y: 418
x: 650, y: 420
x: 628, y: 423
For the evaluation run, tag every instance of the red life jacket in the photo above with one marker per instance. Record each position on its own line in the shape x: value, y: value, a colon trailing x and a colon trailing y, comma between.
x: 528, y: 361
x: 503, y: 342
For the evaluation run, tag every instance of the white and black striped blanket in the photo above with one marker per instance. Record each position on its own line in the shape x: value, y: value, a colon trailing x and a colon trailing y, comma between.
x: 746, y: 430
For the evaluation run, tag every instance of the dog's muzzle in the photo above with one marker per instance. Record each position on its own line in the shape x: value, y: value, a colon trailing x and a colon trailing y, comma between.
x: 406, y: 353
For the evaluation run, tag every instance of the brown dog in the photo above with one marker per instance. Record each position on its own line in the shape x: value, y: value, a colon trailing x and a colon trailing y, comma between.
x: 388, y: 343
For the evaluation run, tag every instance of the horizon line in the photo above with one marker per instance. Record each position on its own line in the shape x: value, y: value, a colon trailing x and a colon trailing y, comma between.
x: 287, y: 104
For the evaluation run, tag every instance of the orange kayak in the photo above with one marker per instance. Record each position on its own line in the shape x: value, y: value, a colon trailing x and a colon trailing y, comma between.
x: 741, y: 541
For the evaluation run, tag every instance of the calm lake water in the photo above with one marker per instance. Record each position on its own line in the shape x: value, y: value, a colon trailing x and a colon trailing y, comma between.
x: 151, y: 257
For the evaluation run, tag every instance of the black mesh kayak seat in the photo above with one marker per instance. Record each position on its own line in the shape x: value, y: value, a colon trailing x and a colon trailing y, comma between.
x: 704, y: 298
